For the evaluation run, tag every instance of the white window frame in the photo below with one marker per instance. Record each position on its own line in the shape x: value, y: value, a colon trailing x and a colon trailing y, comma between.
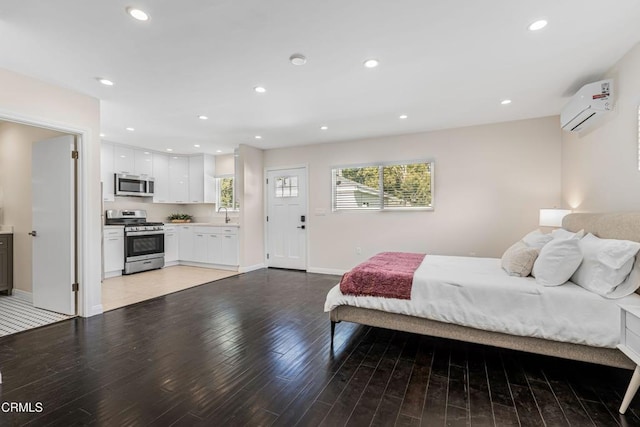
x: 234, y: 201
x: 382, y: 208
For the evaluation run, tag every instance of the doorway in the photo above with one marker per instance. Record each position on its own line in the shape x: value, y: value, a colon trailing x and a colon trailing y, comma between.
x: 287, y: 218
x: 34, y: 185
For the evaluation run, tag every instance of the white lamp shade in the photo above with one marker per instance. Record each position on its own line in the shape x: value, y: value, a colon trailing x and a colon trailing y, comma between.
x: 552, y: 217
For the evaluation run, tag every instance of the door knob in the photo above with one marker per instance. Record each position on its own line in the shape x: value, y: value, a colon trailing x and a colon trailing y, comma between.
x: 34, y: 233
x: 301, y: 226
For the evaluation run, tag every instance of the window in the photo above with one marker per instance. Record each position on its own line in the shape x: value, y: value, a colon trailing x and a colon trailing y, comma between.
x: 287, y: 186
x: 383, y: 186
x: 226, y: 193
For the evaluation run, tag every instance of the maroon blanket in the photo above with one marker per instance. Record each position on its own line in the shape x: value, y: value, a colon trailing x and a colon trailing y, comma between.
x: 388, y: 274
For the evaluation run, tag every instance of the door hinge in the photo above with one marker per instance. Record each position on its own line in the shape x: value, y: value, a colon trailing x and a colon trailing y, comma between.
x: 267, y: 256
x: 267, y: 180
x: 75, y: 155
x: 75, y: 287
x: 267, y: 218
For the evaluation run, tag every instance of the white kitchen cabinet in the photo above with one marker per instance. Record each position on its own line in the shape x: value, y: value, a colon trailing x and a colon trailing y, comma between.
x: 185, y: 243
x: 143, y: 163
x: 171, y: 245
x: 107, y: 172
x: 124, y: 160
x: 202, y: 188
x: 113, y: 251
x: 228, y: 249
x: 200, y: 246
x: 161, y: 176
x: 178, y: 179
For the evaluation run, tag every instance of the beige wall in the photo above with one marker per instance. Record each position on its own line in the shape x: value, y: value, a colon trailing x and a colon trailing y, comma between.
x: 15, y: 183
x: 225, y: 165
x: 249, y: 188
x: 32, y: 101
x: 489, y: 182
x: 600, y: 165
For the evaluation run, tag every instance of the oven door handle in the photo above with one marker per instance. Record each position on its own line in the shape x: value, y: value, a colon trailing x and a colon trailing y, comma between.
x: 143, y: 233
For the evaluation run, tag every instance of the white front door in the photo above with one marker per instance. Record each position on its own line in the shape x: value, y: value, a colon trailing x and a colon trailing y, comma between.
x: 287, y: 218
x: 53, y: 224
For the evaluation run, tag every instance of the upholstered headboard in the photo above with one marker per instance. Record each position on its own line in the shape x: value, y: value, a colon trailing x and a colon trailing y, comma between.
x: 621, y: 225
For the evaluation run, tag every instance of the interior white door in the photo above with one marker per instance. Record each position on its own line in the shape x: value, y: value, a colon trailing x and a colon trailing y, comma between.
x: 287, y: 218
x: 53, y: 264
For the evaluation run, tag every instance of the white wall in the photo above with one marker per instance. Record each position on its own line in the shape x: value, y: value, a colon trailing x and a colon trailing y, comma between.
x: 249, y: 188
x: 489, y: 181
x: 32, y: 101
x: 16, y: 142
x: 600, y: 166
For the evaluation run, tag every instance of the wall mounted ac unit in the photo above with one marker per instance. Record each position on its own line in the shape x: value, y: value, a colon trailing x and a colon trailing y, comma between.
x: 591, y: 102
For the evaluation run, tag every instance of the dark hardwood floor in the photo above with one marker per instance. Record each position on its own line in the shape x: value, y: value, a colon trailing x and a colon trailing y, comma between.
x: 254, y: 350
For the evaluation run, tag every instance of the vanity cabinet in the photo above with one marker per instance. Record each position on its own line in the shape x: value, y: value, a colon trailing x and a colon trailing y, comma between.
x: 6, y: 263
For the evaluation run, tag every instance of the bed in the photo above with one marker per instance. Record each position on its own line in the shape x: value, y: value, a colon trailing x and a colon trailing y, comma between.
x: 472, y: 299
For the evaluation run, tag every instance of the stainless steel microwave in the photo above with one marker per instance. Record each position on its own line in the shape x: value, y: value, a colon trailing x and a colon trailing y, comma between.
x: 134, y: 185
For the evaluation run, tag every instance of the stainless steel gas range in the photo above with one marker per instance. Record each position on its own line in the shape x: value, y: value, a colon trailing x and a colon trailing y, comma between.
x: 143, y: 241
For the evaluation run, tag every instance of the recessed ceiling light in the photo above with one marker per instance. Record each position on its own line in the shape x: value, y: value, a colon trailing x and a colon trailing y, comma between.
x: 259, y: 89
x: 505, y: 102
x: 324, y: 127
x: 122, y: 156
x: 203, y: 117
x: 403, y: 116
x: 371, y: 63
x: 130, y: 129
x: 258, y: 137
x: 218, y: 151
x: 102, y: 135
x: 146, y: 152
x: 298, y: 59
x: 196, y: 145
x: 538, y: 25
x: 138, y: 14
x: 104, y: 81
x: 169, y: 149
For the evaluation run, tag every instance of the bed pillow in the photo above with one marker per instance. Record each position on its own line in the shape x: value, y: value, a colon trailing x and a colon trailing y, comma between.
x: 561, y: 233
x: 518, y: 259
x: 607, y: 263
x: 537, y: 239
x: 630, y: 284
x: 557, y: 262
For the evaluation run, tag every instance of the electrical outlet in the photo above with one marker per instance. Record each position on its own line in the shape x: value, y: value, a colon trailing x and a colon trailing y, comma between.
x: 359, y: 250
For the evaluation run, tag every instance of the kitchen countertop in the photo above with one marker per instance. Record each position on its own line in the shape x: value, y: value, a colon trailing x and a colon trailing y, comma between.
x: 6, y: 229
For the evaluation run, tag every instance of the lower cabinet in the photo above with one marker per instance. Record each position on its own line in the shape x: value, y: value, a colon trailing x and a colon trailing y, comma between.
x: 113, y: 251
x: 209, y: 245
x: 171, y: 245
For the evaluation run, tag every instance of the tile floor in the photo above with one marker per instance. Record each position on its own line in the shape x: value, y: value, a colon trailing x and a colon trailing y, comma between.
x: 17, y: 315
x: 125, y: 290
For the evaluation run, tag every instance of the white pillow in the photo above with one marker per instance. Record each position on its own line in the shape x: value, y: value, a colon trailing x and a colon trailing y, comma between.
x: 561, y: 233
x: 557, y: 262
x: 607, y: 263
x: 537, y: 239
x: 630, y: 284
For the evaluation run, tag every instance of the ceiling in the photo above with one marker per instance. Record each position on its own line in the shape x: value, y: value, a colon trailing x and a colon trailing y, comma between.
x: 443, y: 63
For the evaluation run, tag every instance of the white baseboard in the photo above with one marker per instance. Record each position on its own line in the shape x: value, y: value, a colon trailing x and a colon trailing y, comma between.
x: 206, y: 265
x: 251, y: 268
x: 23, y: 295
x: 95, y: 310
x: 110, y: 274
x: 321, y: 270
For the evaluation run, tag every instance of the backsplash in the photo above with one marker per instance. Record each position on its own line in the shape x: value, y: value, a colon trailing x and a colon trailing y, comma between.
x: 158, y: 212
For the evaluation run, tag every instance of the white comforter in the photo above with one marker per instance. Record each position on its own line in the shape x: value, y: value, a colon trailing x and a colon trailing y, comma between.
x: 476, y: 292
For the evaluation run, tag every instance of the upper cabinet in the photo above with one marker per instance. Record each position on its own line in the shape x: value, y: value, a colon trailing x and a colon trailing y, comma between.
x: 106, y: 172
x: 202, y: 184
x: 161, y: 176
x: 143, y: 163
x: 124, y: 160
x: 178, y: 178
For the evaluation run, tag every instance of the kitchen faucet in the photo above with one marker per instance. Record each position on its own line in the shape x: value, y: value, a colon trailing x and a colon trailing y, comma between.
x: 226, y: 214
